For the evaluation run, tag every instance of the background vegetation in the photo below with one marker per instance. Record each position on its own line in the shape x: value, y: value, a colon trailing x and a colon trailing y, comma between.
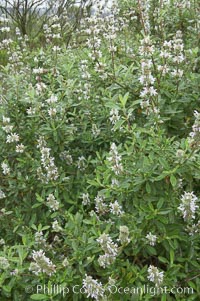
x: 100, y: 136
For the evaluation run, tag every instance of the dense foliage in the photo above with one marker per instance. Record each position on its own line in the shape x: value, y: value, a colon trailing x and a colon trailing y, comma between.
x: 100, y: 164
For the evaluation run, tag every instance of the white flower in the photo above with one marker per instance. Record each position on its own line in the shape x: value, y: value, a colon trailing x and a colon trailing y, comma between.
x: 38, y: 70
x: 180, y: 153
x: 114, y: 182
x: 151, y: 238
x: 7, y: 128
x: 111, y: 281
x: 163, y: 68
x: 152, y: 91
x: 65, y: 262
x: 196, y: 126
x: 2, y: 242
x: 148, y: 91
x: 165, y: 54
x: 82, y: 163
x: 155, y: 276
x: 31, y: 111
x: 14, y: 272
x: 95, y: 130
x: 112, y: 48
x: 2, y: 194
x: 4, y: 264
x: 52, y: 112
x: 5, y: 168
x: 52, y: 203
x: 56, y: 48
x: 50, y: 170
x: 124, y: 235
x: 52, y: 99
x: 167, y: 44
x: 100, y: 206
x: 188, y: 205
x: 42, y: 264
x: 178, y: 59
x: 40, y: 87
x: 93, y: 288
x: 177, y: 73
x: 114, y: 116
x: 65, y: 155
x: 86, y: 199
x: 193, y: 228
x: 110, y: 250
x: 39, y: 238
x: 13, y: 137
x: 5, y: 29
x: 116, y: 209
x: 115, y: 159
x: 56, y: 227
x: 20, y: 148
x: 6, y: 120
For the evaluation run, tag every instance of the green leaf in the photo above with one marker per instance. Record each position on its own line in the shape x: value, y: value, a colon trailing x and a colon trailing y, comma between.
x: 39, y: 198
x: 124, y: 99
x: 173, y: 180
x: 163, y: 259
x: 148, y: 187
x: 39, y: 297
x: 164, y: 297
x: 171, y: 253
x: 151, y: 250
x: 118, y: 124
x: 160, y: 203
x: 36, y: 205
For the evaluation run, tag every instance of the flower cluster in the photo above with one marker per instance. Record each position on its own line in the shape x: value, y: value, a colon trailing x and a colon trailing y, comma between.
x: 93, y: 288
x: 116, y: 208
x: 95, y: 130
x: 144, y: 7
x: 103, y: 24
x: 151, y: 239
x: 82, y: 163
x: 178, y: 56
x: 65, y: 156
x: 188, y: 206
x: 5, y: 168
x: 13, y: 137
x: 52, y: 203
x: 39, y: 238
x: 2, y: 242
x: 2, y: 194
x: 100, y: 206
x: 56, y: 227
x: 155, y: 276
x: 86, y: 199
x: 110, y: 249
x: 48, y: 171
x: 42, y: 264
x: 115, y: 160
x: 7, y: 126
x: 124, y: 235
x: 52, y: 110
x: 84, y: 69
x: 53, y: 31
x: 4, y: 264
x: 147, y: 79
x: 195, y: 134
x: 114, y: 117
x: 193, y: 228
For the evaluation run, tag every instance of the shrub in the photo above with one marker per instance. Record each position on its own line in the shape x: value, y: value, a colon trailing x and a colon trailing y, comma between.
x: 100, y: 158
